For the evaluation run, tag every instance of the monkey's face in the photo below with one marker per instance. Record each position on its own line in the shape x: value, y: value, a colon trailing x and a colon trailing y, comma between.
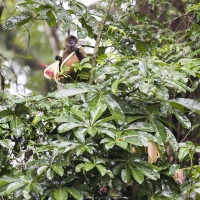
x: 71, y: 41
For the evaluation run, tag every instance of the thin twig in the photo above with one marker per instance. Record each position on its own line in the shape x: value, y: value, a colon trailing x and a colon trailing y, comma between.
x: 96, y: 48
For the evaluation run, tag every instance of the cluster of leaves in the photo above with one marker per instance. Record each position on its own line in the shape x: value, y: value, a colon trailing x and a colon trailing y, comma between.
x: 114, y: 135
x: 81, y: 138
x: 53, y: 12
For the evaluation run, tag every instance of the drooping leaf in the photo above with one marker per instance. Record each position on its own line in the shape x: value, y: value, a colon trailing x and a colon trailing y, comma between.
x: 42, y: 169
x: 101, y: 169
x: 115, y: 109
x: 51, y: 20
x: 126, y: 175
x: 137, y: 175
x: 160, y: 130
x: 72, y: 89
x: 182, y: 119
x: 191, y: 104
x: 183, y: 152
x: 96, y: 112
x: 147, y: 170
x: 37, y: 187
x: 136, y: 138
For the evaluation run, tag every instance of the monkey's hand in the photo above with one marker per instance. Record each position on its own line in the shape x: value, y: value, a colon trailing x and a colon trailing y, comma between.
x: 59, y: 58
x: 74, y: 48
x: 79, y: 54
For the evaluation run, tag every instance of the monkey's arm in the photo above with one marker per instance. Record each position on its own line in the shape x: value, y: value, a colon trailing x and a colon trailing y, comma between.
x: 80, y: 53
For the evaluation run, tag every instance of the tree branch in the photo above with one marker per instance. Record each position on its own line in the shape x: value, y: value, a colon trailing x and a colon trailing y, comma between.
x: 96, y: 48
x: 2, y: 7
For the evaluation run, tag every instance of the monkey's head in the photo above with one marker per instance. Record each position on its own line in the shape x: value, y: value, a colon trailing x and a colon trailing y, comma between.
x: 71, y: 41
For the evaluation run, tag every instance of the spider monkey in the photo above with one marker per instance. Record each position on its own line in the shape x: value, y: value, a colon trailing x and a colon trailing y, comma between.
x: 71, y: 45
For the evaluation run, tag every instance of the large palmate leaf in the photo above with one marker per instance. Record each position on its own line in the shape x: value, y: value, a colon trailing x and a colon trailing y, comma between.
x: 191, y: 104
x: 72, y: 89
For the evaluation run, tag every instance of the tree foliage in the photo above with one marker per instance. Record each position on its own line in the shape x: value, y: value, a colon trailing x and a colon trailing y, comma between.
x: 120, y: 136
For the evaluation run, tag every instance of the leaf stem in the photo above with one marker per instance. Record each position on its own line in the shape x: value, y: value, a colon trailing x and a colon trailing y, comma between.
x: 96, y: 48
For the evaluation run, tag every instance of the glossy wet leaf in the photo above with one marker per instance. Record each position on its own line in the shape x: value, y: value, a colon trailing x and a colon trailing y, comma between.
x: 97, y: 111
x: 14, y: 186
x: 58, y: 169
x: 126, y: 175
x: 101, y: 169
x: 147, y: 171
x: 68, y: 126
x: 188, y: 103
x: 115, y: 109
x: 182, y: 119
x: 72, y: 89
x: 75, y: 193
x: 61, y: 194
x: 137, y: 175
x: 160, y: 130
x: 16, y: 21
x: 42, y: 169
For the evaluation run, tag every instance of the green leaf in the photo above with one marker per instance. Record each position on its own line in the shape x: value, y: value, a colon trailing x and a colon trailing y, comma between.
x: 80, y: 134
x: 75, y: 193
x: 130, y: 119
x: 51, y: 20
x: 183, y: 152
x: 109, y: 145
x: 114, y: 86
x: 42, y: 169
x: 37, y: 187
x: 72, y: 89
x: 107, y: 132
x: 118, y: 168
x: 142, y: 126
x: 115, y: 109
x: 61, y: 194
x: 147, y: 170
x: 182, y: 119
x: 160, y: 130
x: 136, y: 138
x: 126, y: 175
x: 175, y: 84
x: 68, y: 126
x: 58, y: 169
x: 80, y: 114
x: 7, y: 143
x: 89, y: 166
x: 101, y: 169
x: 96, y: 112
x: 92, y: 131
x: 14, y: 186
x: 19, y: 20
x: 7, y: 179
x: 79, y: 167
x: 122, y: 144
x: 188, y: 103
x: 80, y: 150
x: 5, y: 113
x: 106, y: 119
x: 49, y: 174
x: 137, y: 175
